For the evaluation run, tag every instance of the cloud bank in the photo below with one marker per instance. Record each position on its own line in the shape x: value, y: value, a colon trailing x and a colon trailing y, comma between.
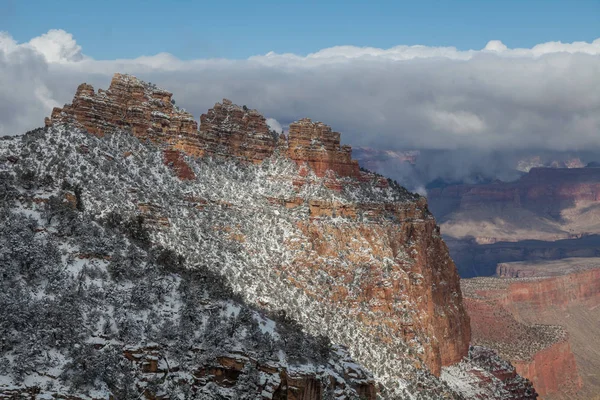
x: 544, y: 98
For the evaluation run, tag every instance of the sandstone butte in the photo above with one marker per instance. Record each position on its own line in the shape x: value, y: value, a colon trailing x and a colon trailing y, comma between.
x: 428, y: 280
x: 540, y: 316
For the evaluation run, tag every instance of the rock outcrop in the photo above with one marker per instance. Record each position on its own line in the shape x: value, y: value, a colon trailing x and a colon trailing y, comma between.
x: 390, y: 269
x: 315, y: 144
x: 230, y: 130
x: 483, y: 375
x: 129, y: 103
x: 407, y: 280
x: 278, y: 381
x: 359, y: 258
x: 226, y: 130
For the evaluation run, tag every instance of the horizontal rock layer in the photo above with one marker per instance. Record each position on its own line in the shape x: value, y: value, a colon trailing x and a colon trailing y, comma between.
x: 226, y: 130
x: 506, y: 314
x: 388, y: 252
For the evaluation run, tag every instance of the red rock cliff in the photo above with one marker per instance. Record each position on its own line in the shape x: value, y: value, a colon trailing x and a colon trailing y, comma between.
x: 384, y: 263
x: 128, y: 103
x: 391, y: 268
x: 510, y: 315
x: 533, y: 295
x: 552, y: 370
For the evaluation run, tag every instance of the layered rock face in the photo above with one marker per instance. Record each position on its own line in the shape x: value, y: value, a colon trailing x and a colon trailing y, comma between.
x: 555, y: 204
x: 361, y: 255
x: 541, y: 353
x: 315, y: 144
x: 279, y: 382
x: 129, y: 103
x: 391, y: 270
x: 559, y: 288
x: 226, y: 130
x: 550, y: 213
x: 231, y: 130
x: 553, y: 371
x: 550, y: 188
x: 544, y: 324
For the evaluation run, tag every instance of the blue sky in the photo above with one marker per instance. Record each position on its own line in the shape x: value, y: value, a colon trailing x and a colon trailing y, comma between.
x: 110, y: 29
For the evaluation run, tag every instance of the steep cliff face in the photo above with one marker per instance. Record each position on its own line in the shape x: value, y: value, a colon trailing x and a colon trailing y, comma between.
x: 541, y: 353
x: 383, y: 261
x: 559, y: 284
x: 536, y: 322
x: 295, y: 227
x: 553, y: 371
x: 387, y: 266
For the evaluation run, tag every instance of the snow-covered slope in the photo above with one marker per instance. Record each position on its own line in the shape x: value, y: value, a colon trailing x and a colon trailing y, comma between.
x: 92, y: 309
x: 129, y: 209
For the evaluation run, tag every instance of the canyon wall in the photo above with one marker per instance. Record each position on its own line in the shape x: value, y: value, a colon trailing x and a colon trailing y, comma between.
x: 542, y: 317
x: 391, y: 269
x: 548, y: 214
x: 228, y: 129
x: 557, y: 288
x: 553, y: 371
x: 551, y: 188
x: 374, y: 252
x: 128, y: 104
x: 315, y: 144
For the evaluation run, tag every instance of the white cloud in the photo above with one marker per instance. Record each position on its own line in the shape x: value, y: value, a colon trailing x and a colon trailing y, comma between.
x: 404, y: 97
x: 7, y: 43
x: 458, y: 122
x: 57, y: 46
x: 495, y: 45
x: 274, y: 125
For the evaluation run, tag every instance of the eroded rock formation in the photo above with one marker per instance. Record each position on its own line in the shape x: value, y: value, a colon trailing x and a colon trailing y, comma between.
x: 379, y: 258
x: 225, y: 130
x: 129, y: 103
x: 277, y: 381
x: 315, y: 144
x: 390, y: 269
x: 228, y: 129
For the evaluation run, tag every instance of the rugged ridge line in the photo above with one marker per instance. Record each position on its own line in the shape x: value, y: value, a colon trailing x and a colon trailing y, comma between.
x: 290, y: 222
x: 426, y: 276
